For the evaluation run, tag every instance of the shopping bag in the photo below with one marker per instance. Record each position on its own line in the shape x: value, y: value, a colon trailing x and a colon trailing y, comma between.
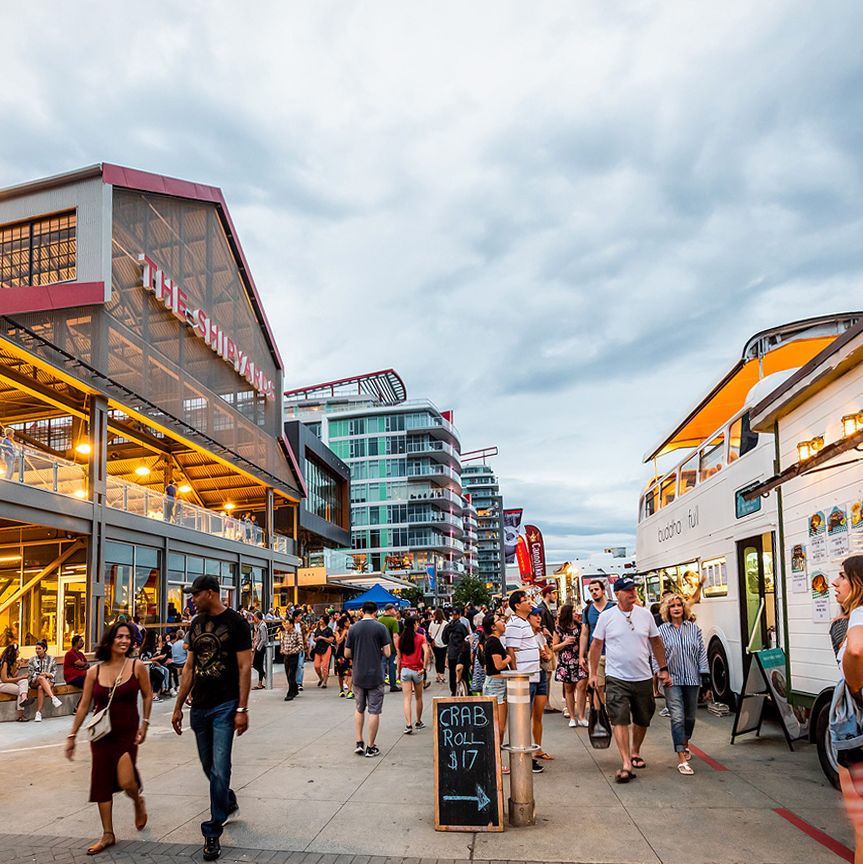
x: 599, y: 726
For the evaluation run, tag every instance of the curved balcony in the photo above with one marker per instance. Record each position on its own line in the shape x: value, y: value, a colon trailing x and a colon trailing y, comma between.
x: 438, y: 474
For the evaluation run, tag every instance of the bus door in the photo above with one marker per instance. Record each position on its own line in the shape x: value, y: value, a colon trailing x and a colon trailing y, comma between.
x: 757, y: 606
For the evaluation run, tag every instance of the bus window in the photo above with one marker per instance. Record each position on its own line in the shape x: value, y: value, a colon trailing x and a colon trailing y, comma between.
x: 711, y: 458
x: 741, y: 439
x: 688, y: 474
x: 650, y: 502
x: 668, y: 490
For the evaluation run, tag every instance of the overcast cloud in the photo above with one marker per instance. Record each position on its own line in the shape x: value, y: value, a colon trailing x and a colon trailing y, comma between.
x: 561, y: 220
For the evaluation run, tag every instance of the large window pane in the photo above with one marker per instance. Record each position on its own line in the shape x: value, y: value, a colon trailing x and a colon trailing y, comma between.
x: 711, y: 458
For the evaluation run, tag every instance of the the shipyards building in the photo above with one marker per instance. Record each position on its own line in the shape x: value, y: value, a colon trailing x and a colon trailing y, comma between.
x: 142, y: 386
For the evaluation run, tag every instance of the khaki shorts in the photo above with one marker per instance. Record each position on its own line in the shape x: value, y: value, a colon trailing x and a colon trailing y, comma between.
x: 600, y: 673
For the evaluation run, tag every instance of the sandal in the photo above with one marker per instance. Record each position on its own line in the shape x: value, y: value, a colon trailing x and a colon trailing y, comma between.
x: 101, y: 846
x: 624, y: 776
x: 541, y: 754
x: 688, y: 753
x: 141, y: 821
x: 685, y: 768
x: 638, y: 762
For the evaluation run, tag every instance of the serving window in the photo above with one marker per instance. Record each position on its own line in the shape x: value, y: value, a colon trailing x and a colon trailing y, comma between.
x: 668, y: 490
x: 689, y: 474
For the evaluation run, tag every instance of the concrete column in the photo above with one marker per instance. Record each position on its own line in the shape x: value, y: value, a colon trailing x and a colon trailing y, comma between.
x: 97, y: 486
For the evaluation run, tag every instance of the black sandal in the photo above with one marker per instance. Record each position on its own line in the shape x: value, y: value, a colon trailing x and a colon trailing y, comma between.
x: 624, y: 776
x: 638, y: 762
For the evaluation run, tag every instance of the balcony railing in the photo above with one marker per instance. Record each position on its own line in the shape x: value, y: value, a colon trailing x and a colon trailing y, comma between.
x: 31, y: 467
x: 433, y: 471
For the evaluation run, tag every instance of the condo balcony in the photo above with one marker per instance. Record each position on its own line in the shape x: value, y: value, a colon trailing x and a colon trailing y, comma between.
x: 438, y: 450
x: 439, y: 474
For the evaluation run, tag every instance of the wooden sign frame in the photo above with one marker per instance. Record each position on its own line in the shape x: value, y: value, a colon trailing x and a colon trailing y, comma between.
x: 493, y: 827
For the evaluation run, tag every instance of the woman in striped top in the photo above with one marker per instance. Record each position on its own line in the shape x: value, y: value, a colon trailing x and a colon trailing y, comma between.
x: 687, y: 665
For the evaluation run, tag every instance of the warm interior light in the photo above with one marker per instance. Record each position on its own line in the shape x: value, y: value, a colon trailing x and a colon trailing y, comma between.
x: 807, y: 449
x: 84, y: 449
x: 7, y: 558
x: 80, y: 493
x: 230, y: 506
x: 185, y: 489
x: 142, y: 470
x: 852, y: 424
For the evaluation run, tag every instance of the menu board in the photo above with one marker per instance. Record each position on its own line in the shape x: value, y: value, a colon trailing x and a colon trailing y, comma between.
x: 468, y: 785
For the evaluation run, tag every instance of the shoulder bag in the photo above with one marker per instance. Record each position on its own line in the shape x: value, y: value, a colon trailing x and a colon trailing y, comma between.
x: 99, y: 725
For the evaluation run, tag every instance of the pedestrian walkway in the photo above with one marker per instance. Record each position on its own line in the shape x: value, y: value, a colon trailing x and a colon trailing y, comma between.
x: 302, y: 790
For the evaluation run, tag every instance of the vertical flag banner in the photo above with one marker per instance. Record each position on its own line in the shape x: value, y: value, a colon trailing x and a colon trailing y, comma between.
x: 523, y: 558
x: 536, y: 551
x: 511, y: 524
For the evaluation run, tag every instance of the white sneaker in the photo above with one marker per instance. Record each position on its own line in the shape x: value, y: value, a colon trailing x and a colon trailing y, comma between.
x: 38, y: 717
x: 572, y: 724
x: 566, y: 712
x: 56, y: 702
x: 583, y: 723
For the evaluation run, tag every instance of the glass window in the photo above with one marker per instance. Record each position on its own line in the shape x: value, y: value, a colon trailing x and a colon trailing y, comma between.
x: 131, y: 589
x: 711, y: 458
x: 39, y: 252
x: 668, y: 490
x: 650, y: 502
x: 252, y: 587
x: 688, y: 474
x: 715, y: 578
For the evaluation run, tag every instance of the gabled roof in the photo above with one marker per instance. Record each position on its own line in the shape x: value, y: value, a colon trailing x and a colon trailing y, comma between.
x: 144, y: 181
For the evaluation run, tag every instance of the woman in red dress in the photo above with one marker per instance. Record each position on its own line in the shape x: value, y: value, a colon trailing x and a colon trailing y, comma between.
x: 115, y: 754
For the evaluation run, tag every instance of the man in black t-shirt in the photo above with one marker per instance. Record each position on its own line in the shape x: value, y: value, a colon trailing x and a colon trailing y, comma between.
x: 218, y: 672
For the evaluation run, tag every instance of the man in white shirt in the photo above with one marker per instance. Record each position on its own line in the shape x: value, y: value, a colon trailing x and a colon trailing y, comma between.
x: 521, y: 645
x: 629, y: 634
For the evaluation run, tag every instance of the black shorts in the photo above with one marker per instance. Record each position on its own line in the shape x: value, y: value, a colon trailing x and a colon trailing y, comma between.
x: 629, y: 701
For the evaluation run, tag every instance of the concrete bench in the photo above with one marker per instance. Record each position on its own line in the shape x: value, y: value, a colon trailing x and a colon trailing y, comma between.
x: 66, y: 693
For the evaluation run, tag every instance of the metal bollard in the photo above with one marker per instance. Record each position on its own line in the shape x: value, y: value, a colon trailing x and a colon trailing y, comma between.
x: 268, y: 664
x: 522, y: 807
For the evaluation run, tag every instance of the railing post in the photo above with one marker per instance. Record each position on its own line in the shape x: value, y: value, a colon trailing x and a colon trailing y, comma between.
x: 55, y: 475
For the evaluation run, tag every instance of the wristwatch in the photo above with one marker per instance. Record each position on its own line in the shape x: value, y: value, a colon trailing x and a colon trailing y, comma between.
x: 242, y: 711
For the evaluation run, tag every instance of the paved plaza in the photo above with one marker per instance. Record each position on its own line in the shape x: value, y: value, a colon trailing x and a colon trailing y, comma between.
x: 305, y: 798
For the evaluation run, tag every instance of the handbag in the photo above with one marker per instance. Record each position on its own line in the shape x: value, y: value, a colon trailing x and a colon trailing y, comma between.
x: 846, y: 726
x: 598, y: 724
x: 99, y: 725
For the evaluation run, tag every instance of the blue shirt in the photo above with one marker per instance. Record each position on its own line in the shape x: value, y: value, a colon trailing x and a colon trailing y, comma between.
x: 178, y: 651
x: 591, y: 616
x: 685, y: 653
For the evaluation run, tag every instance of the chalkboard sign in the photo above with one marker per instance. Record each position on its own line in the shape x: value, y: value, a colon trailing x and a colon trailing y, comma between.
x: 468, y: 784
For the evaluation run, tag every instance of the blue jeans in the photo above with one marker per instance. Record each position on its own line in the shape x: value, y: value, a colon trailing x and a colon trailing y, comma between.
x: 388, y: 665
x: 214, y: 733
x: 682, y: 703
x: 301, y: 668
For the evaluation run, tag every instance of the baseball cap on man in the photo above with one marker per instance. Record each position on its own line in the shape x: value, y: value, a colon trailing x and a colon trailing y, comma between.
x: 203, y: 583
x: 625, y: 583
x: 548, y: 589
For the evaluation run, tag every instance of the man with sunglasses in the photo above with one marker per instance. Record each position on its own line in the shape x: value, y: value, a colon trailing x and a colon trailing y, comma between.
x: 629, y: 634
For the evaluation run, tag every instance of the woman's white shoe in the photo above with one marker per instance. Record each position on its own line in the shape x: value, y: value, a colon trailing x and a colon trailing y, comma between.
x: 685, y: 768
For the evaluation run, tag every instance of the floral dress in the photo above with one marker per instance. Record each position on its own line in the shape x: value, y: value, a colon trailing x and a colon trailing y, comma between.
x: 568, y: 668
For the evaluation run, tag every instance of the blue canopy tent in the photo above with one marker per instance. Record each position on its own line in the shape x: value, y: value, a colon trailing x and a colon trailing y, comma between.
x: 377, y: 594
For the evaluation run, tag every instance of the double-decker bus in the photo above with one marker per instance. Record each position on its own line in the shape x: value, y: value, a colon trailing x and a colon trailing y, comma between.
x: 695, y: 528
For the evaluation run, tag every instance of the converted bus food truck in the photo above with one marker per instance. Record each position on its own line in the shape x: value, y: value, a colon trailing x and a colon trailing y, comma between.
x: 816, y: 419
x: 700, y: 531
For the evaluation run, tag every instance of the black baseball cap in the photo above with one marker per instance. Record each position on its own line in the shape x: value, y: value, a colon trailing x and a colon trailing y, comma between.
x: 203, y: 583
x: 625, y: 583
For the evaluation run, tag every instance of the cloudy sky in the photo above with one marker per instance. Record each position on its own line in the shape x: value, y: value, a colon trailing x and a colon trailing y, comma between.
x: 561, y: 220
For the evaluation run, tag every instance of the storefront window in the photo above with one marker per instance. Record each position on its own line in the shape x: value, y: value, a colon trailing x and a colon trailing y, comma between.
x: 252, y: 587
x: 132, y: 577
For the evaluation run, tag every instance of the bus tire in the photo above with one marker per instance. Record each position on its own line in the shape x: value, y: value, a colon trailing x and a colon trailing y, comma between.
x: 720, y: 673
x: 826, y: 754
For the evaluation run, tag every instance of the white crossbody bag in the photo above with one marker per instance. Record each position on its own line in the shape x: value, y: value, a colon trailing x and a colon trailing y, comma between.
x: 99, y: 725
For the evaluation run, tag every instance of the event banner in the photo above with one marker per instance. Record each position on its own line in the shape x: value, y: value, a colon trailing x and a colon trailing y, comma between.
x: 511, y: 524
x: 523, y: 558
x: 536, y: 550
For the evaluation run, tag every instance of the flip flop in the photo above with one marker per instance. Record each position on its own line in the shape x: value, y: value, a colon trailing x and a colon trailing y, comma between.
x: 96, y: 848
x: 638, y: 762
x: 543, y: 755
x: 685, y: 768
x: 623, y: 776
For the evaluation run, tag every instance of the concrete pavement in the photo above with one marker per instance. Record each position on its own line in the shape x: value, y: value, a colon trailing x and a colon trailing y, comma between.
x: 302, y: 790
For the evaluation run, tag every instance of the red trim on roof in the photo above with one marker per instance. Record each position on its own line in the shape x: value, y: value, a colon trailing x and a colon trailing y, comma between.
x: 292, y: 458
x: 42, y: 298
x: 144, y: 181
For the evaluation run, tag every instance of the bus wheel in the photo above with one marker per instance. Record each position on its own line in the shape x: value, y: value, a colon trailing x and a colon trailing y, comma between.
x: 826, y: 753
x: 720, y: 676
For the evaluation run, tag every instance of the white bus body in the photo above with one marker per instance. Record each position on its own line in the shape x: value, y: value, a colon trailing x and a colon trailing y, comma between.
x: 701, y: 532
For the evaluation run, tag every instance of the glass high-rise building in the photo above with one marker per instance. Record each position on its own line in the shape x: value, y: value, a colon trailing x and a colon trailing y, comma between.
x: 480, y: 484
x: 404, y: 457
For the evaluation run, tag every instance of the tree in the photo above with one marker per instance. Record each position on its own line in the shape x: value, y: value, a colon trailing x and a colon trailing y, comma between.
x: 471, y: 591
x: 413, y: 595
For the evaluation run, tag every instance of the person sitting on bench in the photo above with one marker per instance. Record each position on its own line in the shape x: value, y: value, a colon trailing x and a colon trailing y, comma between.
x: 75, y: 664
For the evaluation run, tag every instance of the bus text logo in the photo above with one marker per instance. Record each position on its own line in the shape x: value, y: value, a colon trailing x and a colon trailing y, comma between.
x: 676, y: 527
